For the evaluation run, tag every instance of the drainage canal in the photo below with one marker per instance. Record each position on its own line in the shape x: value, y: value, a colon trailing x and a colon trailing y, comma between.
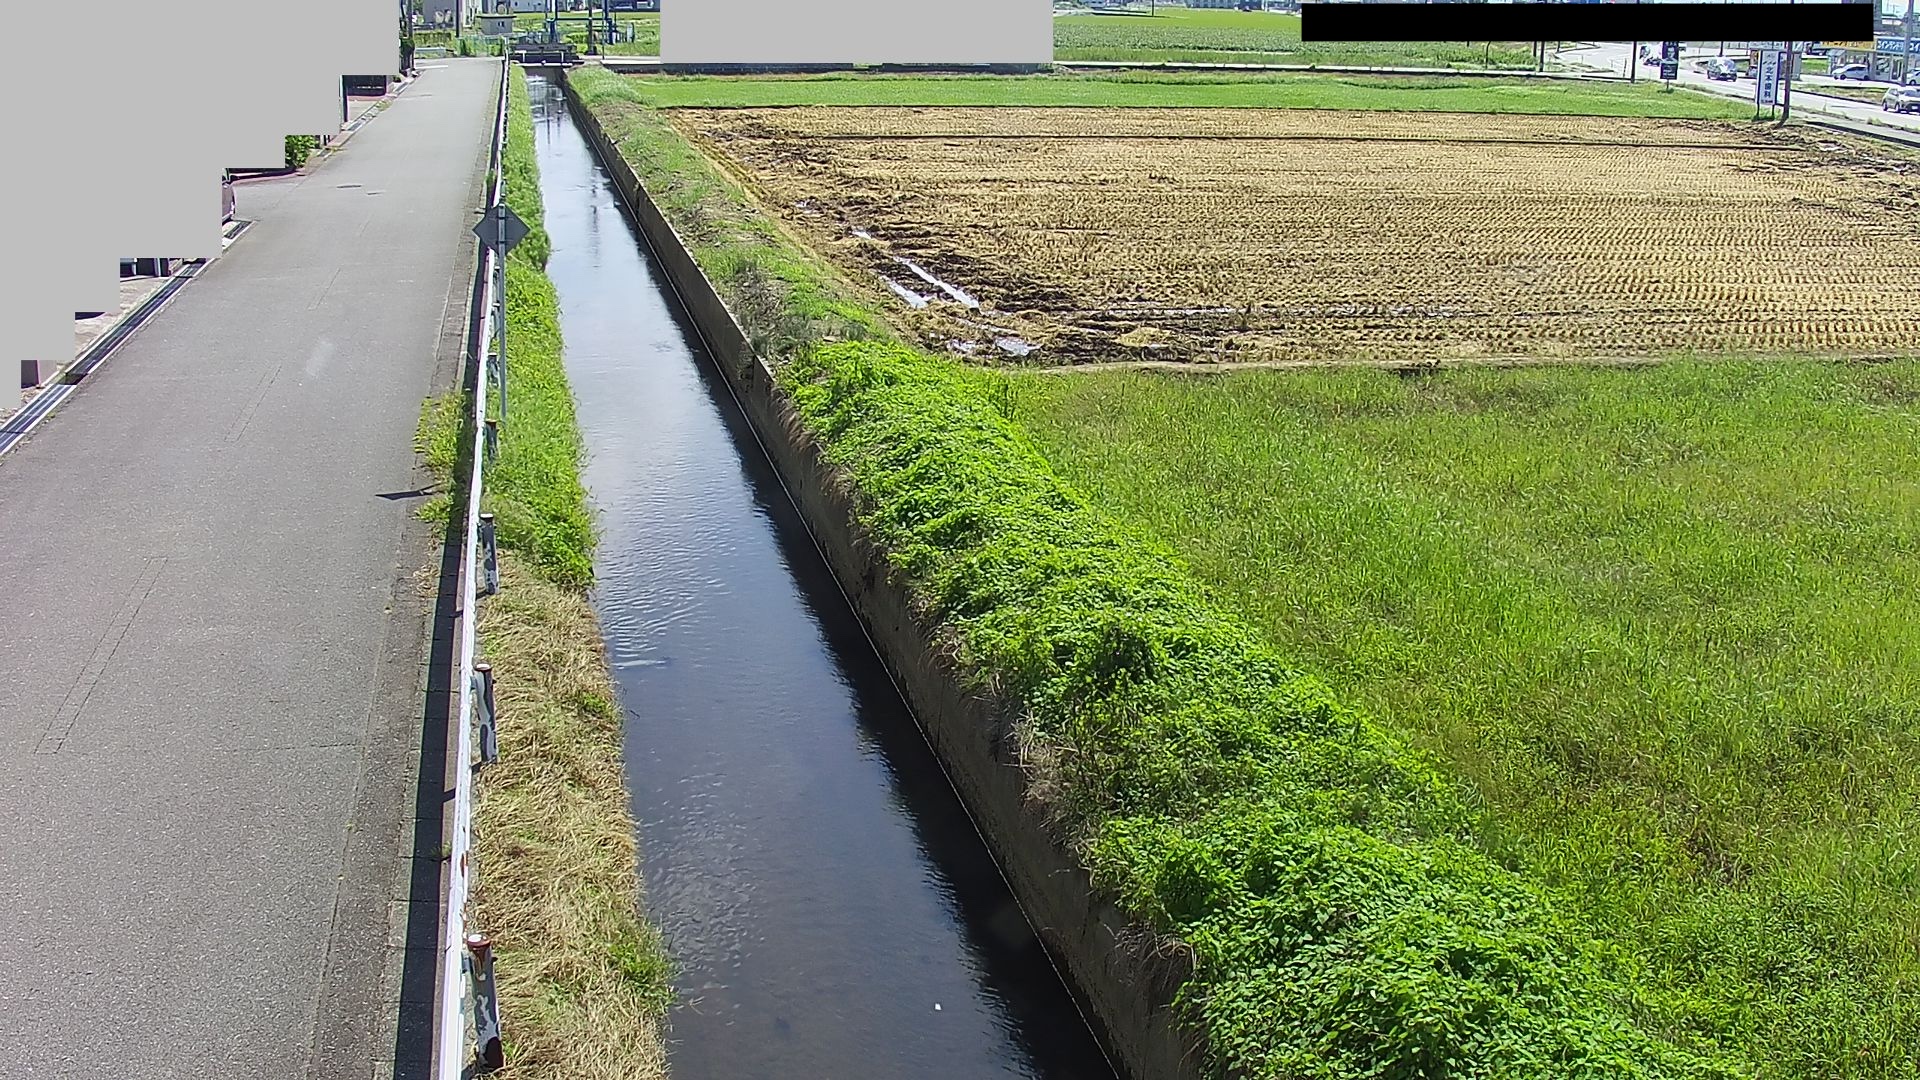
x: 831, y: 909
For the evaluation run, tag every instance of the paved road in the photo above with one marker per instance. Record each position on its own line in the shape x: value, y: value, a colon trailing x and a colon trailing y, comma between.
x: 212, y: 641
x: 1807, y: 101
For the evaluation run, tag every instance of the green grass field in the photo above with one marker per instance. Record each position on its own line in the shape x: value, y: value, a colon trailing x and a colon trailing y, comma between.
x: 1426, y: 94
x: 1663, y: 624
x: 1211, y: 35
x: 1873, y: 94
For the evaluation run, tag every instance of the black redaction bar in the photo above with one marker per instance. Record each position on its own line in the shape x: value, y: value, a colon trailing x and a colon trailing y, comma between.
x: 1536, y: 21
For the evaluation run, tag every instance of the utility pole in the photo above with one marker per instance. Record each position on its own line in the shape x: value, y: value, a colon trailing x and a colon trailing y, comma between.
x: 1906, y: 52
x: 1788, y: 59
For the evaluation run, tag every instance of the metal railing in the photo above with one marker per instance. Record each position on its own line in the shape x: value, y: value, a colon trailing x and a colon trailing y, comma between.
x: 466, y: 958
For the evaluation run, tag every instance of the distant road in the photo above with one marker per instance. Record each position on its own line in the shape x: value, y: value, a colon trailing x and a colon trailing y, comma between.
x: 1612, y: 56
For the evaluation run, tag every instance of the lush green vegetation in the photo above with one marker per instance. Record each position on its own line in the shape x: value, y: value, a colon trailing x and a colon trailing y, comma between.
x: 645, y: 28
x: 1664, y: 624
x: 534, y: 489
x: 582, y: 976
x: 1344, y: 915
x: 465, y: 45
x: 300, y: 148
x: 1215, y: 35
x: 1424, y: 94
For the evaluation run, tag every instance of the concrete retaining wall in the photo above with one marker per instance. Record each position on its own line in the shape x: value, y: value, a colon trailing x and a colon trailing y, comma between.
x: 1122, y: 983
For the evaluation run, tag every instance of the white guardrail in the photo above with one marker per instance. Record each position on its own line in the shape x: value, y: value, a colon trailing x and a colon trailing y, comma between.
x: 466, y: 959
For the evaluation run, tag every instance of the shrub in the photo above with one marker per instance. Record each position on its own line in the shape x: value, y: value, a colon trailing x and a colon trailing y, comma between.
x: 299, y: 149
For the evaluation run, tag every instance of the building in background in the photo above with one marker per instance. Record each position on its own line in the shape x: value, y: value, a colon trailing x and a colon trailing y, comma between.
x: 449, y: 14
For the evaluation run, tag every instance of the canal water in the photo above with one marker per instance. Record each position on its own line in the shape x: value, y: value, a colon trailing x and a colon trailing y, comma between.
x: 829, y: 905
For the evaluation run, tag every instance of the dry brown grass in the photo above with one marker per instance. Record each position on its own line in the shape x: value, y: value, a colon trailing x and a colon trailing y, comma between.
x: 583, y: 980
x: 1302, y: 236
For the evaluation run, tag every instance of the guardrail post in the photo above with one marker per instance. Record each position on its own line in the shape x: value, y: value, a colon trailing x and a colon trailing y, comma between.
x: 497, y: 374
x: 486, y: 1002
x: 493, y: 439
x: 490, y: 554
x: 489, y: 735
x: 500, y: 324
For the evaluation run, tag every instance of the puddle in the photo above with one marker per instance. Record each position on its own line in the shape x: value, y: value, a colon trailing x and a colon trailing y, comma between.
x: 913, y: 299
x: 953, y: 291
x: 957, y: 294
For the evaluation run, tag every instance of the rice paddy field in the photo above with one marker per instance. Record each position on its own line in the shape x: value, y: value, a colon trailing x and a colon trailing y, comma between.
x: 1300, y: 237
x: 1578, y: 451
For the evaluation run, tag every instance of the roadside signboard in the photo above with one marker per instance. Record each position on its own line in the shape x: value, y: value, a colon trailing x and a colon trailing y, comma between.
x: 501, y: 229
x: 1766, y: 89
x: 1669, y: 60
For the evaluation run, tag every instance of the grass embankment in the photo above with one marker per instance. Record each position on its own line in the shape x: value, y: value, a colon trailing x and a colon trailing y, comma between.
x: 584, y: 983
x: 1170, y: 90
x: 1663, y: 622
x: 1343, y: 920
x: 1218, y: 36
x: 1873, y: 94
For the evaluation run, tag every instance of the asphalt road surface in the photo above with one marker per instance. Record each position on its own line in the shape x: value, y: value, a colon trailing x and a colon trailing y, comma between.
x: 213, y: 636
x: 1807, y: 99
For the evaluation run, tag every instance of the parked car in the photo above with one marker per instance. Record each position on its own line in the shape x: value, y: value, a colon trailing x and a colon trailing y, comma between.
x: 1902, y: 99
x: 1854, y: 71
x: 1721, y: 69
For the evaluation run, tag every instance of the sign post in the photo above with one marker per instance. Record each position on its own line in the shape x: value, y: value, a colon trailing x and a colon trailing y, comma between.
x: 501, y: 230
x: 1669, y: 62
x: 1766, y: 86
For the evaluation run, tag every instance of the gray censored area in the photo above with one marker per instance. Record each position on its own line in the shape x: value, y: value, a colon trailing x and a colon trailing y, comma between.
x: 118, y: 165
x: 216, y: 629
x: 115, y: 162
x: 995, y: 32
